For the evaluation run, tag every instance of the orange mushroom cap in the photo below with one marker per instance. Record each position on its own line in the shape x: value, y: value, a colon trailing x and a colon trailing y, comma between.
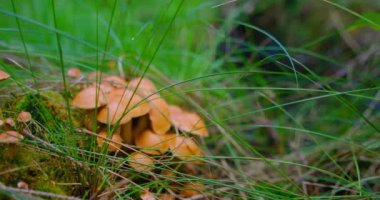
x: 145, y: 88
x: 116, y: 81
x: 90, y: 98
x: 146, y: 195
x: 3, y: 75
x: 24, y: 117
x: 105, y: 87
x: 10, y: 137
x: 121, y: 106
x: 74, y: 72
x: 187, y: 121
x: 159, y: 115
x: 114, y: 142
x: 166, y: 196
x: 141, y: 162
x: 93, y: 75
x: 183, y: 147
x: 154, y: 144
x: 192, y: 189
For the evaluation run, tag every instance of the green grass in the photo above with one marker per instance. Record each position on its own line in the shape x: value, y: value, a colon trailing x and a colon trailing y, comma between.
x: 292, y: 107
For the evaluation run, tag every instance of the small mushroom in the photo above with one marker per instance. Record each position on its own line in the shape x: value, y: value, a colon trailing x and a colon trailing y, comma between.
x: 10, y: 137
x: 1, y: 123
x: 24, y: 117
x: 90, y: 98
x: 141, y: 162
x: 192, y: 189
x: 152, y: 143
x: 121, y: 106
x: 146, y: 195
x: 187, y: 121
x: 3, y: 75
x: 166, y: 196
x: 183, y: 147
x: 22, y: 185
x: 74, y: 72
x: 10, y: 122
x: 114, y: 142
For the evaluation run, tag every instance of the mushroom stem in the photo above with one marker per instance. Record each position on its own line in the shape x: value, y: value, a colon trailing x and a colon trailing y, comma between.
x: 142, y: 124
x: 126, y: 132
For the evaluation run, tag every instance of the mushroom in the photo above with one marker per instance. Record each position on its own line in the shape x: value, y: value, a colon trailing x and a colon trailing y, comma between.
x: 114, y: 142
x: 159, y: 115
x: 10, y: 122
x: 159, y: 112
x: 74, y: 72
x: 187, y: 121
x: 115, y: 81
x: 93, y: 75
x: 105, y: 86
x: 10, y: 137
x: 24, y: 117
x: 90, y: 98
x: 145, y: 88
x: 1, y: 123
x: 88, y: 120
x: 146, y: 195
x: 183, y: 147
x: 141, y: 162
x: 166, y: 196
x: 152, y: 143
x: 3, y: 75
x: 22, y: 185
x: 126, y: 132
x: 122, y: 107
x: 192, y: 189
x: 141, y: 125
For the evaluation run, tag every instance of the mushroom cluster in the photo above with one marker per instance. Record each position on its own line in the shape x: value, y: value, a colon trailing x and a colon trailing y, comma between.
x: 7, y: 128
x: 7, y: 132
x: 140, y: 117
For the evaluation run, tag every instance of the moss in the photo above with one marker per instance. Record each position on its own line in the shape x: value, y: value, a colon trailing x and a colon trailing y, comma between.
x: 39, y: 170
x: 49, y: 187
x: 46, y: 105
x: 49, y: 111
